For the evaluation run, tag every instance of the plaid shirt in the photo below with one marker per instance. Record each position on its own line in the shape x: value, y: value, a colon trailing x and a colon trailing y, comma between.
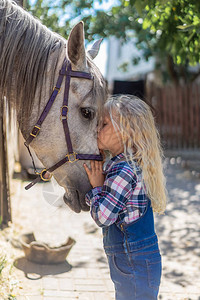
x: 122, y: 196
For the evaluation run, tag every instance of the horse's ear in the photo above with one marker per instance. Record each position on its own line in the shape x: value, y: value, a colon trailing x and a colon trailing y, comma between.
x: 95, y: 49
x: 76, y: 47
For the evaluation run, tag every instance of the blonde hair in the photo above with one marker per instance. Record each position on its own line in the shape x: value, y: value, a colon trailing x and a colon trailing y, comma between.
x: 141, y: 140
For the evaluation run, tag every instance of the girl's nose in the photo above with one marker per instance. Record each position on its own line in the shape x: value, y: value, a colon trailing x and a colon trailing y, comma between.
x: 99, y: 129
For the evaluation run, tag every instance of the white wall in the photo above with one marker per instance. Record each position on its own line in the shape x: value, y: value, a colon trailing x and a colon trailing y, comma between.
x: 117, y: 54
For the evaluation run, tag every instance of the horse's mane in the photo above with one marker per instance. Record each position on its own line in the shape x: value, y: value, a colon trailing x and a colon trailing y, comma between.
x: 25, y: 44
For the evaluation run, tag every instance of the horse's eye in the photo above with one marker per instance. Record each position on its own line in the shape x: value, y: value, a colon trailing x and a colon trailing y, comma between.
x: 87, y: 113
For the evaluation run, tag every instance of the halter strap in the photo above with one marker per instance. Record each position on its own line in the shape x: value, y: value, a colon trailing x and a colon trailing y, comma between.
x: 48, y: 106
x: 71, y: 156
x: 64, y: 111
x: 67, y: 158
x: 77, y: 74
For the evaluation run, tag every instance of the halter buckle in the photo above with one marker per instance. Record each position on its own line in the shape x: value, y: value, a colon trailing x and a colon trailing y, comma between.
x: 42, y: 173
x: 63, y: 114
x: 72, y: 157
x: 57, y: 89
x: 35, y: 131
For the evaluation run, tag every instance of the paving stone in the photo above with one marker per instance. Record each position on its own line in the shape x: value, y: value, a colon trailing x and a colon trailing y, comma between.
x: 29, y: 297
x: 67, y: 275
x: 34, y: 297
x: 112, y: 295
x: 63, y: 294
x: 79, y: 273
x: 60, y: 298
x: 101, y: 296
x: 95, y: 296
x: 86, y: 296
x: 92, y: 288
x: 93, y: 273
x: 66, y: 284
x: 110, y: 286
x: 50, y: 283
x: 89, y: 281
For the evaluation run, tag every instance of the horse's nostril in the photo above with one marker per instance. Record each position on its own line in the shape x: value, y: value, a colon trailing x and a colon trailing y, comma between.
x: 77, y: 193
x: 66, y: 200
x: 73, y: 203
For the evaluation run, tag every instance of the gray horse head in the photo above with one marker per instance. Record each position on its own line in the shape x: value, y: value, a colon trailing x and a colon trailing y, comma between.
x: 30, y: 59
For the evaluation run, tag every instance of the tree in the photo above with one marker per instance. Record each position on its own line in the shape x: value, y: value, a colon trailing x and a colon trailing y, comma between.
x: 168, y: 30
x: 50, y: 13
x: 175, y: 26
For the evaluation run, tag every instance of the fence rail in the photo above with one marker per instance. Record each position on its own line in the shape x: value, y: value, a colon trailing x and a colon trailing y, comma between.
x: 177, y: 115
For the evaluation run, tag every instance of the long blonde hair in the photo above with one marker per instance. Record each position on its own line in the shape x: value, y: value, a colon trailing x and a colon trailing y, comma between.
x: 141, y: 141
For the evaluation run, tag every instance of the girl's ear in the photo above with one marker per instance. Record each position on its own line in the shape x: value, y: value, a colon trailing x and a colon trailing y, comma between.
x: 76, y: 48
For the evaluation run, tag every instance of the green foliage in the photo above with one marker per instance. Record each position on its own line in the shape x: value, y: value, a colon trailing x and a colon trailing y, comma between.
x: 50, y: 13
x: 124, y: 67
x: 176, y: 27
x: 164, y: 29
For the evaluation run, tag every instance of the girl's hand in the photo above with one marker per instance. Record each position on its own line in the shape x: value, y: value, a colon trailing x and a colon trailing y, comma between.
x: 95, y: 174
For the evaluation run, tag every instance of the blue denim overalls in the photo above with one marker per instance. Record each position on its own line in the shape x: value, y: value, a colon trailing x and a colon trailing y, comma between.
x: 134, y: 258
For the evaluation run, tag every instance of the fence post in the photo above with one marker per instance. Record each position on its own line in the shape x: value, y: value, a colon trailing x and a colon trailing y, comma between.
x: 5, y: 206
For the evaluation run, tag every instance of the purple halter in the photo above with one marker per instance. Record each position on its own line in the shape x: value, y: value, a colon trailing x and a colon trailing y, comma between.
x: 71, y: 156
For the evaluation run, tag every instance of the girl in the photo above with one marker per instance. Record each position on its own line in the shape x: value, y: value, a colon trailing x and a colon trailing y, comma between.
x: 125, y: 195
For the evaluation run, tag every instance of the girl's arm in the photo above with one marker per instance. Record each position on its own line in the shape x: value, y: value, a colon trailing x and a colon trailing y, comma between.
x: 109, y: 198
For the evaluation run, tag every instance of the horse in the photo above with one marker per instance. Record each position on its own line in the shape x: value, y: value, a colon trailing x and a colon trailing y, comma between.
x: 31, y: 57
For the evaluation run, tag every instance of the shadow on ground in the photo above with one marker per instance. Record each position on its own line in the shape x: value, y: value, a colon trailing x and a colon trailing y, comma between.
x: 179, y: 228
x: 37, y: 271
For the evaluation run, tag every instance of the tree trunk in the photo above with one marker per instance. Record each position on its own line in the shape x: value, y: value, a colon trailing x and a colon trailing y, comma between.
x: 171, y: 70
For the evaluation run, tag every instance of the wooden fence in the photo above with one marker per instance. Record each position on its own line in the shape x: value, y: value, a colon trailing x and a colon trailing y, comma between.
x: 177, y: 111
